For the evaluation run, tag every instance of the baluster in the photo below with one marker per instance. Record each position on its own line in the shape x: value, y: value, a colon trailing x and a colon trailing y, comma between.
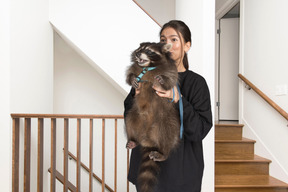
x: 53, y: 155
x: 115, y: 162
x: 66, y: 142
x: 27, y: 154
x: 91, y: 157
x: 103, y: 155
x: 15, y: 156
x: 40, y: 156
x: 78, y: 154
x: 127, y: 169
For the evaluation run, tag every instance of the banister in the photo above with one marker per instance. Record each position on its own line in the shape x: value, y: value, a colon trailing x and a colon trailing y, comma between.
x: 88, y: 170
x: 138, y: 4
x: 60, y: 178
x: 265, y: 97
x: 54, y: 174
x: 69, y: 116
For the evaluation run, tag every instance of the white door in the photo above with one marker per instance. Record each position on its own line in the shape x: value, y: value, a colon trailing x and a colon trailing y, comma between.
x: 228, y: 68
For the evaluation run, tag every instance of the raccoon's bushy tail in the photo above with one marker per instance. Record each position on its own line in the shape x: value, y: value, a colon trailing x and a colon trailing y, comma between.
x: 148, y: 171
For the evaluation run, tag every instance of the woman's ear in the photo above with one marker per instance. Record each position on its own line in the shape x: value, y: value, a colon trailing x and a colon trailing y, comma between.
x: 187, y: 46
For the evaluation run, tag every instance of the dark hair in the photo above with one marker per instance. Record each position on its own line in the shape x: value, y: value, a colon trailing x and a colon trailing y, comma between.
x: 183, y: 29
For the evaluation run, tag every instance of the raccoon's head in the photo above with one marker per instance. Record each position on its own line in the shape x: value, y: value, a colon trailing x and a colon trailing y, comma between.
x: 148, y: 54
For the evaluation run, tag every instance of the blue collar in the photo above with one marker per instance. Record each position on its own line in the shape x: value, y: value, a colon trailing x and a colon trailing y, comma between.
x: 144, y: 70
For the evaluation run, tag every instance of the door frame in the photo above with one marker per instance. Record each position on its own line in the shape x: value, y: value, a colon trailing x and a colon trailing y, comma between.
x: 225, y: 8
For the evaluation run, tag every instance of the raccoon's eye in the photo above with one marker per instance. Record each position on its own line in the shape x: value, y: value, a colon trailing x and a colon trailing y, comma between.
x: 149, y: 52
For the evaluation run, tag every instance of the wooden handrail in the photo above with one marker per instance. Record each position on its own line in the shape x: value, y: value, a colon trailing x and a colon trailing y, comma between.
x: 88, y: 170
x: 54, y: 174
x: 64, y: 116
x: 147, y: 13
x: 265, y: 97
x: 60, y: 178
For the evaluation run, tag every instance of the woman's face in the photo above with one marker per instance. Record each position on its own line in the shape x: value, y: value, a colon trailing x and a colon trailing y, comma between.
x: 169, y: 35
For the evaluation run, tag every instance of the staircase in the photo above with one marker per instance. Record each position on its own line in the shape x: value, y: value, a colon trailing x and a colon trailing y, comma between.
x: 237, y: 168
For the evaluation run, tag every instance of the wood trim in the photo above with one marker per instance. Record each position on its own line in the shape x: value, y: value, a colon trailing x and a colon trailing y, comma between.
x: 265, y: 97
x: 53, y: 156
x: 103, y: 155
x: 88, y: 170
x: 15, y: 155
x: 65, y: 160
x: 53, y: 145
x: 69, y: 116
x: 147, y: 13
x: 27, y: 154
x: 90, y: 157
x: 60, y: 178
x: 78, y: 185
x: 40, y: 156
x: 115, y: 158
x: 128, y: 164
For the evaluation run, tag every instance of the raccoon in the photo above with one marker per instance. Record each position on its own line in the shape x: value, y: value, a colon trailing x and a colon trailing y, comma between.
x: 153, y: 121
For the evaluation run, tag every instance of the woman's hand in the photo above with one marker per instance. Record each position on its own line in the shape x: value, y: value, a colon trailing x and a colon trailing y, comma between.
x: 167, y: 93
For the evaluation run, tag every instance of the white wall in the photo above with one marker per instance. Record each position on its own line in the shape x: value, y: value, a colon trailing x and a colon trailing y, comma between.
x: 263, y: 60
x: 5, y: 125
x: 31, y: 57
x: 103, y: 34
x: 200, y: 17
x: 161, y: 10
x: 100, y: 29
x: 26, y: 73
x: 80, y: 89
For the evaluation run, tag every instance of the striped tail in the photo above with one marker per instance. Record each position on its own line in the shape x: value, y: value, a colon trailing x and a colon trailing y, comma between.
x: 148, y: 171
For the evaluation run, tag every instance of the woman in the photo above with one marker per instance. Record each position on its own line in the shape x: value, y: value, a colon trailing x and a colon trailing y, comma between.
x: 183, y: 170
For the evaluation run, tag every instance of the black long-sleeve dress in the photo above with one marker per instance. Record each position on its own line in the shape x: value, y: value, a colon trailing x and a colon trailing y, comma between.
x: 183, y: 170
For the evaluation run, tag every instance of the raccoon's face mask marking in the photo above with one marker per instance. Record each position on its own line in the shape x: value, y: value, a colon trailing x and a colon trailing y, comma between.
x: 142, y: 59
x: 149, y: 53
x: 146, y: 56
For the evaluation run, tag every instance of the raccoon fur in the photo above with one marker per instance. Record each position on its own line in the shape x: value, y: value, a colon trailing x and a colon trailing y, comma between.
x: 153, y: 121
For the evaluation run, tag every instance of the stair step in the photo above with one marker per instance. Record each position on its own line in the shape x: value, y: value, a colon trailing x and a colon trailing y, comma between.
x: 250, y: 183
x: 254, y: 189
x: 228, y: 131
x: 234, y: 149
x: 256, y: 166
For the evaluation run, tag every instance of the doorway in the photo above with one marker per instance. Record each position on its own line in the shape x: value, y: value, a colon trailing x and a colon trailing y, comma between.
x: 228, y: 65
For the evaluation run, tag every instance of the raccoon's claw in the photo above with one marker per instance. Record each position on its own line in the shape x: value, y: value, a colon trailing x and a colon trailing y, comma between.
x: 135, y: 83
x: 131, y: 145
x: 159, y: 79
x: 156, y: 156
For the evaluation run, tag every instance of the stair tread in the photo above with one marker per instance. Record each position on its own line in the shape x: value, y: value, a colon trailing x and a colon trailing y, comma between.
x: 248, y: 181
x: 255, y: 159
x: 243, y: 140
x: 228, y: 138
x: 228, y: 124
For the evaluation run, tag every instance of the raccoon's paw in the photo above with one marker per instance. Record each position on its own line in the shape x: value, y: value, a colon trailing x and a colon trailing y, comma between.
x: 156, y: 156
x: 131, y: 145
x: 160, y: 79
x: 135, y: 83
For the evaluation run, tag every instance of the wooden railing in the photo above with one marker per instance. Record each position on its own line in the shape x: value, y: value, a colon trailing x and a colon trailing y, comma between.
x: 265, y: 97
x: 141, y: 7
x: 19, y: 119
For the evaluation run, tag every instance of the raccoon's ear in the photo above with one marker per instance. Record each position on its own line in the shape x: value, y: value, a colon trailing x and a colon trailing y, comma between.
x: 166, y: 47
